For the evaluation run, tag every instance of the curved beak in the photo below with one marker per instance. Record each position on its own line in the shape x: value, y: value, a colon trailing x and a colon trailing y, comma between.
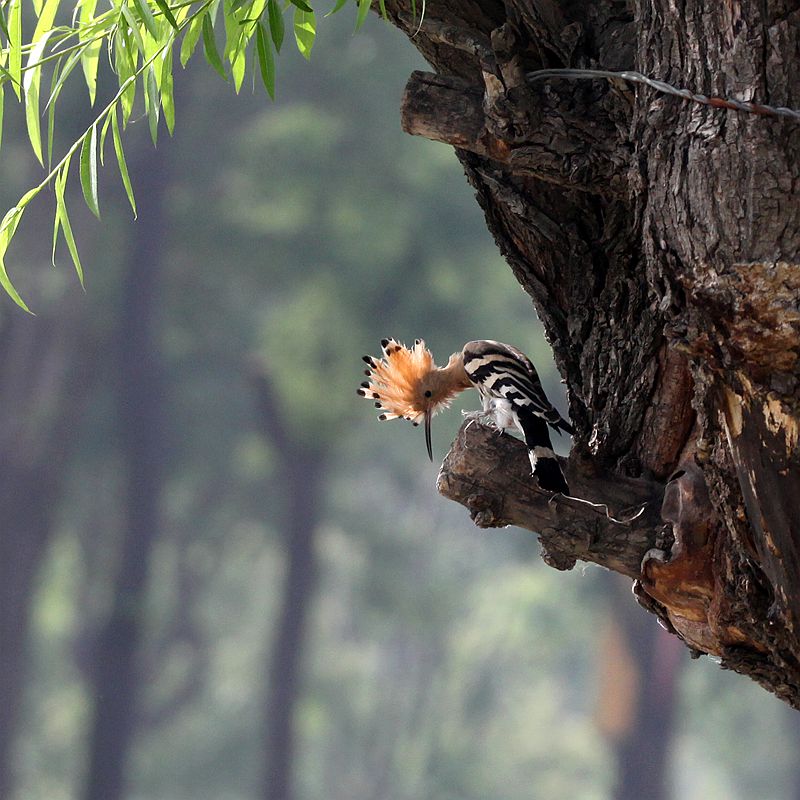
x: 428, y: 416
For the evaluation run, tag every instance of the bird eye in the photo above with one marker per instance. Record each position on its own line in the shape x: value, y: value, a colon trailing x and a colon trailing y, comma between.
x: 428, y: 393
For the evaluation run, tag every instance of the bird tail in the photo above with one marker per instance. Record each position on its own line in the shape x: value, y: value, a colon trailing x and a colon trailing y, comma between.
x: 544, y: 463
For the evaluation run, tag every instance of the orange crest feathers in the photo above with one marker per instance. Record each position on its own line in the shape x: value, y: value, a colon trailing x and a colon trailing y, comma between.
x: 396, y: 380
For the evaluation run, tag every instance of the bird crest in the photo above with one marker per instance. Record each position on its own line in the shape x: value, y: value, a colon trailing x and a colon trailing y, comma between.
x: 405, y: 383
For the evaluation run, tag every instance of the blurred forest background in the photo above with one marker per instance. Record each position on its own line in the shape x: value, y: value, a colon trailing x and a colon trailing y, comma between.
x: 220, y: 578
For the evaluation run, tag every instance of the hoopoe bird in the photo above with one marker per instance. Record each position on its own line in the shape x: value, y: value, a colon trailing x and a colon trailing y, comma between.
x: 405, y: 383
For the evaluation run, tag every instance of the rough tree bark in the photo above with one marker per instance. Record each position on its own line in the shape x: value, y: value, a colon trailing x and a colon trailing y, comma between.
x: 659, y: 241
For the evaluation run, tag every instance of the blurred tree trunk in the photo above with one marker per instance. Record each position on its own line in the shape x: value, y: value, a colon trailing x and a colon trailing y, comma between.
x: 302, y: 467
x: 115, y: 675
x: 41, y: 370
x: 638, y: 666
x: 659, y: 241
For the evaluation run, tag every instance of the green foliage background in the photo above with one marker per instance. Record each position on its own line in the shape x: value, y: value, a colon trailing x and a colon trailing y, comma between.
x: 445, y: 662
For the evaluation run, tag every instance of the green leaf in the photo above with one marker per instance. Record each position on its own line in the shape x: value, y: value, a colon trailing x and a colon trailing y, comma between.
x: 190, y: 39
x: 134, y: 27
x: 146, y: 15
x: 210, y: 47
x: 56, y: 224
x: 51, y: 112
x: 302, y: 5
x: 238, y: 66
x: 304, y: 31
x: 61, y: 210
x: 88, y: 170
x: 90, y: 59
x: 165, y: 10
x: 31, y: 82
x: 232, y: 31
x: 167, y: 98
x: 7, y: 229
x: 151, y: 101
x: 382, y: 6
x: 103, y: 132
x: 15, y: 45
x: 338, y: 7
x: 276, y: 26
x: 45, y: 23
x: 363, y: 10
x: 123, y: 62
x: 266, y: 61
x: 123, y: 167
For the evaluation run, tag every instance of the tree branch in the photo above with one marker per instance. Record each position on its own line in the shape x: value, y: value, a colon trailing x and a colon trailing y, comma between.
x: 489, y: 473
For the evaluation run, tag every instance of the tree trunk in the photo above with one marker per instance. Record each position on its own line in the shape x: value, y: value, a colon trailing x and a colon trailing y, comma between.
x: 638, y: 670
x: 303, y: 469
x: 115, y: 678
x: 659, y: 241
x: 40, y: 370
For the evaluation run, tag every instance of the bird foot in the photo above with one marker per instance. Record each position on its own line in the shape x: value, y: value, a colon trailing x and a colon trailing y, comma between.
x: 485, y: 418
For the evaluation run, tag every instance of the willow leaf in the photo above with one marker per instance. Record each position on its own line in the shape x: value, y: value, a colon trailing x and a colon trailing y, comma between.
x: 7, y: 228
x: 90, y: 57
x: 266, y: 61
x: 51, y: 112
x: 146, y: 15
x: 363, y: 10
x: 46, y: 18
x: 101, y: 148
x: 210, y: 47
x: 134, y: 27
x: 88, y: 170
x: 277, y: 28
x: 167, y: 97
x: 123, y: 167
x: 31, y: 82
x: 15, y: 45
x: 190, y: 40
x: 166, y: 11
x: 61, y: 209
x: 305, y: 31
x: 151, y: 101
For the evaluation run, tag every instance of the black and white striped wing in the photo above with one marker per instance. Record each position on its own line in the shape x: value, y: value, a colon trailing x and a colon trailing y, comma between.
x: 501, y: 371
